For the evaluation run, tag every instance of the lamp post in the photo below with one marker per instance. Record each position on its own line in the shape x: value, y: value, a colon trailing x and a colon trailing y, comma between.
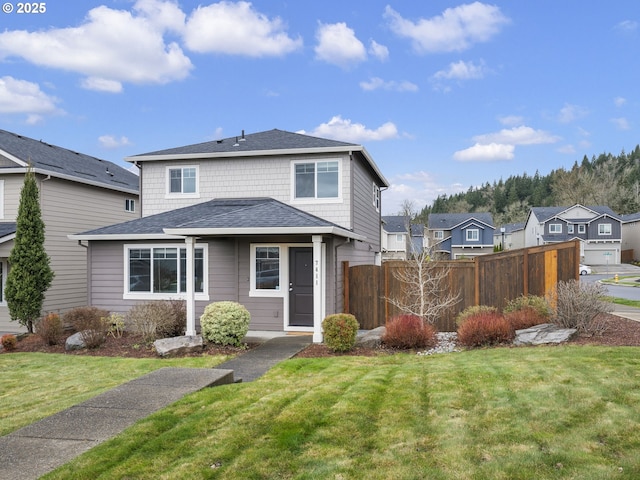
x: 502, y: 230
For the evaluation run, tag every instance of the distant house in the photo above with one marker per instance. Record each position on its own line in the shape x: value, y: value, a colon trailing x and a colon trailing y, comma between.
x: 397, y: 242
x: 630, y: 237
x: 509, y: 236
x: 598, y: 228
x: 264, y: 219
x: 76, y: 192
x: 460, y: 235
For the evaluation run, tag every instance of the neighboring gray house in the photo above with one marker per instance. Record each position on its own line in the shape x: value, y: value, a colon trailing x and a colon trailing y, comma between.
x: 631, y: 235
x: 510, y: 236
x: 264, y: 219
x: 76, y: 192
x: 397, y: 244
x: 460, y: 235
x: 598, y: 228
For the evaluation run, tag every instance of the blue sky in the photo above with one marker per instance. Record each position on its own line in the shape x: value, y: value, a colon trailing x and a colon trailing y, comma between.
x: 444, y: 95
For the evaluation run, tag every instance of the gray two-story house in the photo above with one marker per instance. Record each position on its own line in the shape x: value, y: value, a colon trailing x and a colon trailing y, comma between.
x: 598, y: 228
x: 264, y: 219
x: 460, y: 235
x: 77, y: 192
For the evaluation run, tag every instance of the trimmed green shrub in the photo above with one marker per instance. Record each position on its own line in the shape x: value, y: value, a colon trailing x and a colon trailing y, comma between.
x: 539, y: 304
x: 89, y: 321
x: 485, y: 329
x: 524, y: 318
x: 473, y: 310
x: 9, y: 342
x: 409, y: 331
x: 225, y: 323
x: 49, y: 328
x: 340, y: 331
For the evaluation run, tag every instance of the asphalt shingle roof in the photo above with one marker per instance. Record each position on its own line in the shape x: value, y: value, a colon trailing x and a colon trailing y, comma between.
x: 220, y: 213
x: 7, y: 228
x: 59, y: 161
x: 447, y: 221
x: 545, y: 213
x: 395, y: 223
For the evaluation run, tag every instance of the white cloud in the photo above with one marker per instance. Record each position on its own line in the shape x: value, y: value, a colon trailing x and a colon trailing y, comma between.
x: 619, y: 101
x: 109, y: 47
x: 511, y: 120
x: 485, y: 153
x: 462, y: 71
x: 110, y: 142
x: 343, y: 129
x: 338, y: 45
x: 420, y: 187
x: 101, y: 85
x: 521, y: 135
x: 377, y: 83
x: 621, y: 123
x: 23, y: 97
x: 627, y: 26
x: 456, y: 29
x: 570, y: 113
x: 237, y: 29
x: 378, y: 51
x: 567, y: 149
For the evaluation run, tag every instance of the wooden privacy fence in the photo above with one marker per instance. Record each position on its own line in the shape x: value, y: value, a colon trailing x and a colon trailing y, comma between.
x: 486, y: 280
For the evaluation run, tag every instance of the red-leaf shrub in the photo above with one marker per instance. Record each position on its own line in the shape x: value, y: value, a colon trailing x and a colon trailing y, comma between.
x: 485, y: 329
x: 525, y: 318
x: 49, y: 328
x: 409, y: 331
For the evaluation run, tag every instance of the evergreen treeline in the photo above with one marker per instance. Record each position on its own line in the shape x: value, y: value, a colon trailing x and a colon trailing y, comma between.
x: 608, y: 180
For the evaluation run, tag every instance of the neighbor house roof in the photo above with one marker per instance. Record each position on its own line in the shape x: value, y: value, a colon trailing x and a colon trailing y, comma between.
x: 395, y: 223
x: 268, y: 143
x: 18, y: 152
x: 239, y: 216
x: 510, y: 227
x: 7, y: 231
x: 630, y: 217
x: 448, y: 221
x: 545, y: 213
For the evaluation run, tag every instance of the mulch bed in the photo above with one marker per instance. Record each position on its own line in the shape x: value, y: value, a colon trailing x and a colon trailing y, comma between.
x: 619, y: 332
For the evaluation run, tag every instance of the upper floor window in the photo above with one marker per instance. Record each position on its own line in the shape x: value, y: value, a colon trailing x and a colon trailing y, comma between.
x: 604, y: 229
x: 569, y: 228
x: 582, y: 228
x: 438, y: 234
x: 376, y: 197
x: 555, y: 228
x: 317, y: 180
x: 473, y: 234
x: 130, y: 205
x: 182, y: 180
x: 399, y: 237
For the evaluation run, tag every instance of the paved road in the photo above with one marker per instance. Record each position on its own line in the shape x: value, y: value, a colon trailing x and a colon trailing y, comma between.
x: 630, y: 293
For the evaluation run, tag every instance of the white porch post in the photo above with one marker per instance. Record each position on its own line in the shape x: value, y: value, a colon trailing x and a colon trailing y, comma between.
x: 191, y: 296
x: 318, y: 290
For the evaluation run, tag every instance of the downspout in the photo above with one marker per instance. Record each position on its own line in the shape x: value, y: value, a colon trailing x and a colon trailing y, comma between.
x: 89, y: 283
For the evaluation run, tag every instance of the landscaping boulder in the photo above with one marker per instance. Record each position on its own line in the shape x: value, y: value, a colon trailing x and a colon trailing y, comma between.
x: 75, y: 342
x: 165, y: 347
x: 371, y: 339
x: 543, y: 334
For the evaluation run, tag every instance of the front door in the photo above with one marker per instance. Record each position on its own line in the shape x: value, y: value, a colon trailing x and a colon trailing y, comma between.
x: 301, y: 287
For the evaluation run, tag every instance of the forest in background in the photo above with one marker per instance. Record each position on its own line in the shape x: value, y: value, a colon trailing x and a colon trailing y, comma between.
x: 606, y: 180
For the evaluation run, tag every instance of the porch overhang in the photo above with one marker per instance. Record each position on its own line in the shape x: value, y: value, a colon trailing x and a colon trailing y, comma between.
x: 260, y: 231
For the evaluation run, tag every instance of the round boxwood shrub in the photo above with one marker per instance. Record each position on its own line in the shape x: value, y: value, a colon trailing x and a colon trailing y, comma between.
x: 225, y: 323
x: 340, y: 330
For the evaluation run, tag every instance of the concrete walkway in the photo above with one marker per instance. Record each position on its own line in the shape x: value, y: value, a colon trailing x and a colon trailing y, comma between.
x: 624, y: 311
x: 41, y: 447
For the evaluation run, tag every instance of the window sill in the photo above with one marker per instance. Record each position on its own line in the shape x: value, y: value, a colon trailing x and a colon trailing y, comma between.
x: 163, y: 296
x: 266, y: 293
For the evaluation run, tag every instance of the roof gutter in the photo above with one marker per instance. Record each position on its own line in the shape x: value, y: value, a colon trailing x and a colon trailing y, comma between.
x: 202, y: 232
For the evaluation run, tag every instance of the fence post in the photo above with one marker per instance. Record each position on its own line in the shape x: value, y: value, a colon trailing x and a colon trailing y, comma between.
x: 525, y: 273
x: 476, y: 267
x: 385, y: 279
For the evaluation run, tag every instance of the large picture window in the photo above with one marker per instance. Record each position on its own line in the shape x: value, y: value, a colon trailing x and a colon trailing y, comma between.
x: 182, y: 180
x: 317, y: 180
x: 163, y: 270
x: 604, y: 229
x: 555, y: 228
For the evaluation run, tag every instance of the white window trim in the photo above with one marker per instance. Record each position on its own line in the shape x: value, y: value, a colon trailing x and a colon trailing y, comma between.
x: 582, y: 228
x: 376, y: 197
x: 569, y: 228
x: 553, y: 230
x: 472, y: 230
x: 284, y: 267
x: 438, y: 234
x: 1, y: 199
x: 127, y: 203
x: 202, y: 296
x: 295, y: 200
x: 600, y: 232
x: 169, y: 194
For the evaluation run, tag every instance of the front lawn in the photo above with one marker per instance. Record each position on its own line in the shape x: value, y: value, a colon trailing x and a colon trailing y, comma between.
x: 505, y: 413
x: 36, y: 385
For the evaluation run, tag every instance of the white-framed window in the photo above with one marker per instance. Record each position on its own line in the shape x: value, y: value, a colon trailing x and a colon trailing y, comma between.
x: 160, y: 271
x: 399, y: 237
x: 604, y: 229
x: 319, y: 180
x: 473, y: 234
x: 582, y: 228
x: 569, y: 228
x: 266, y: 272
x: 555, y: 228
x: 1, y: 198
x: 438, y: 234
x: 182, y: 181
x: 376, y: 197
x: 130, y: 205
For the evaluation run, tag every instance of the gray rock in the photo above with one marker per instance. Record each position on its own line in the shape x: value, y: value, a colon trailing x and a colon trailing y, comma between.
x: 75, y: 342
x: 543, y: 334
x: 371, y: 339
x: 166, y: 347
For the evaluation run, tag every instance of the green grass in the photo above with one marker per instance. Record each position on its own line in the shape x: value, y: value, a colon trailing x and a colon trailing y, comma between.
x: 624, y: 301
x: 627, y: 280
x: 35, y: 385
x: 509, y: 413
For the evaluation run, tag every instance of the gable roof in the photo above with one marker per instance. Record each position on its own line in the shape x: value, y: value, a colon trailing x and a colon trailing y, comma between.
x: 448, y: 221
x: 545, y: 213
x: 630, y: 217
x: 395, y: 223
x: 230, y: 216
x: 268, y: 143
x: 510, y: 228
x: 17, y: 152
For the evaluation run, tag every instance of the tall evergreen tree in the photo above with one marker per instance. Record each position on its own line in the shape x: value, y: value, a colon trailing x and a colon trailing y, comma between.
x: 30, y: 274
